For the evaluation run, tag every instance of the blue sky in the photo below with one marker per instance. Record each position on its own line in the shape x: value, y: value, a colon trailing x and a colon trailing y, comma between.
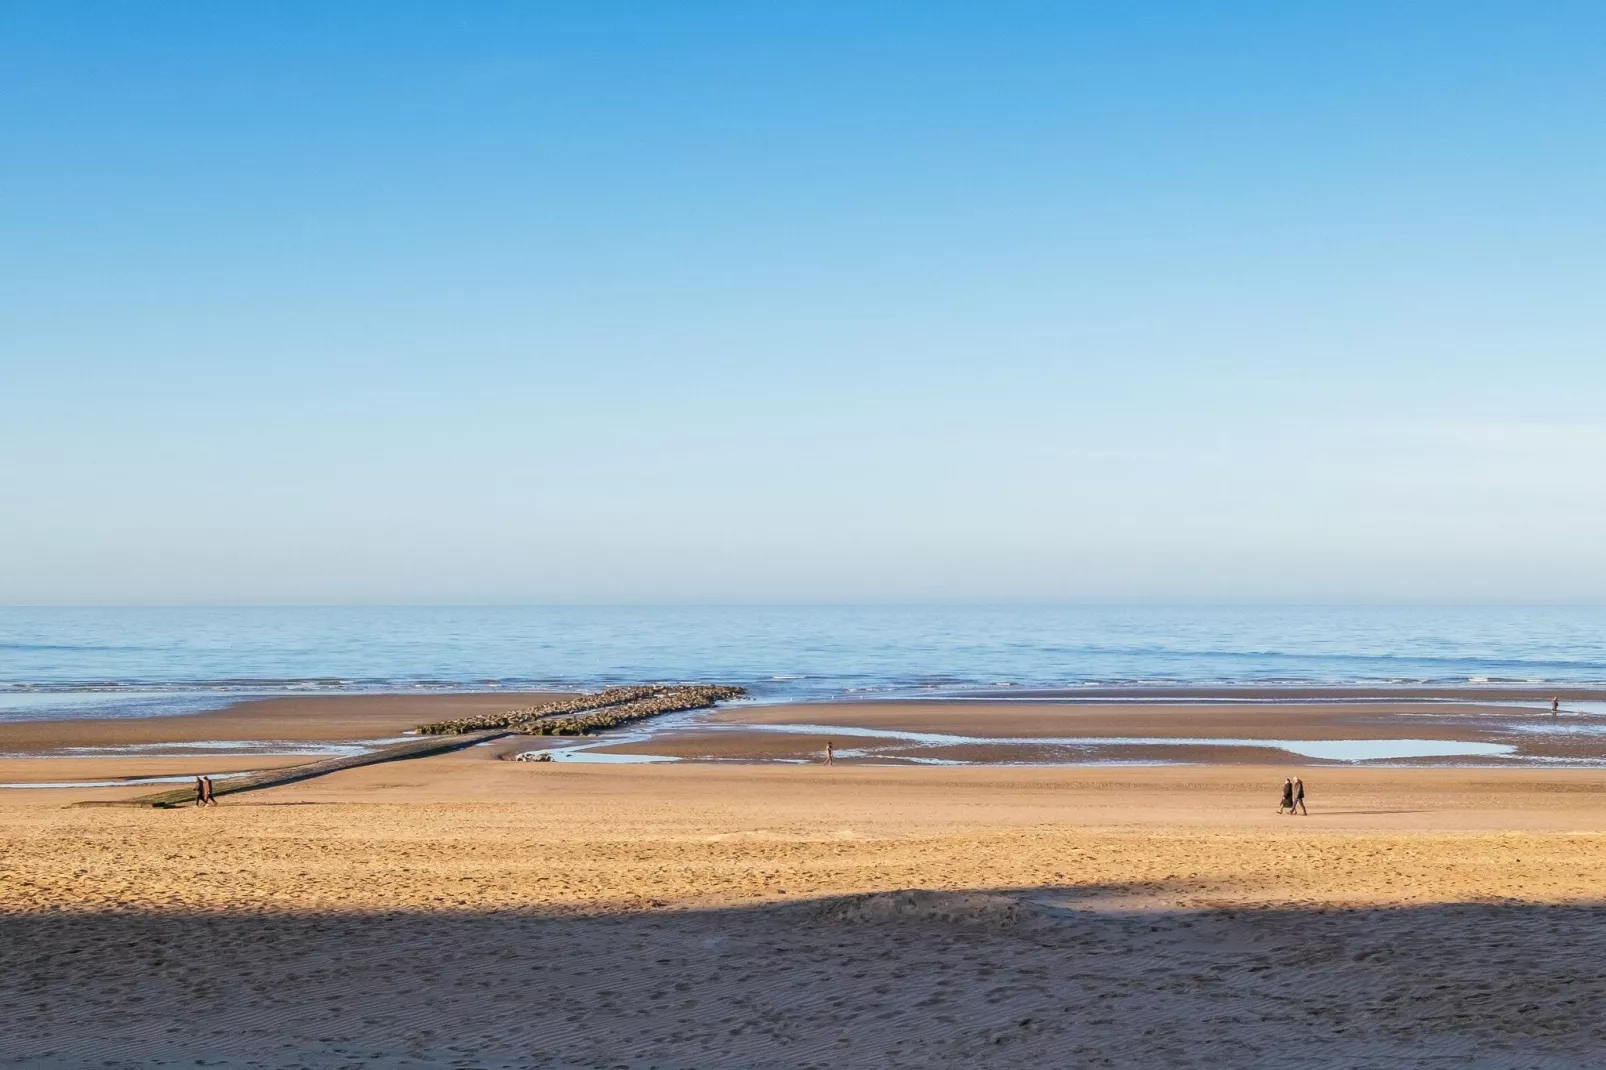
x: 845, y: 302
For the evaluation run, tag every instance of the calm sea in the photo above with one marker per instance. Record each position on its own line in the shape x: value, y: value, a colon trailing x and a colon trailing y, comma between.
x: 124, y: 661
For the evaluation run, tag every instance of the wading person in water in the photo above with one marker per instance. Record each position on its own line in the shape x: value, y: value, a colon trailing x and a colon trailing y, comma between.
x: 1288, y: 797
x: 1555, y: 705
x: 1299, y: 797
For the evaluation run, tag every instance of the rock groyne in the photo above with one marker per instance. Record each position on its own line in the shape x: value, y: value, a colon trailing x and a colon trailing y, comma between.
x: 661, y: 701
x: 584, y: 713
x: 564, y: 717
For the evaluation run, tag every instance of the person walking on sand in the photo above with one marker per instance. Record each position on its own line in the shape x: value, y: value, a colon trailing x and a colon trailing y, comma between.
x: 1299, y: 797
x: 830, y: 753
x: 200, y: 792
x: 206, y: 793
x: 1288, y: 797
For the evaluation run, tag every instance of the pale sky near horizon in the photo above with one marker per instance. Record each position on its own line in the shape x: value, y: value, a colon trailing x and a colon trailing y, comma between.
x: 843, y: 302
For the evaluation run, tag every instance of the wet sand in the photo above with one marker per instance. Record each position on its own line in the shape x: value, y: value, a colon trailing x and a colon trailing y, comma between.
x: 1000, y: 732
x: 1290, y: 720
x: 464, y: 911
x: 117, y: 749
x: 318, y: 717
x: 42, y: 770
x: 1502, y: 692
x: 1150, y: 731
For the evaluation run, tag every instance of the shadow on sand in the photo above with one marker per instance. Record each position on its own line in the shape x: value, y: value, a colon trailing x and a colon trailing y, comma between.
x: 1017, y: 977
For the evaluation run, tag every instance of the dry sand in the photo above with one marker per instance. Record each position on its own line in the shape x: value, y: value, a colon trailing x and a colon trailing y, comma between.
x: 460, y: 911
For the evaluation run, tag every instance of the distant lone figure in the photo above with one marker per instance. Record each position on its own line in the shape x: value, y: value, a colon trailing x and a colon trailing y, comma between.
x: 830, y: 752
x: 200, y: 792
x: 1288, y: 797
x: 1555, y: 705
x: 206, y: 792
x: 1299, y: 796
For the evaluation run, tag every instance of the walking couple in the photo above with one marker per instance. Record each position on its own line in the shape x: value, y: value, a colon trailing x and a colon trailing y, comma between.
x: 1293, y: 797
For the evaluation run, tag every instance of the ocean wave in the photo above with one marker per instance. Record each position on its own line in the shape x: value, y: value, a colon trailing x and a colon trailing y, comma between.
x: 786, y: 653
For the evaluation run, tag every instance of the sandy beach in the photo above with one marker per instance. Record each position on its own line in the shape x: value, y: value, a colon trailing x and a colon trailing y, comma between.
x: 802, y: 536
x: 462, y: 910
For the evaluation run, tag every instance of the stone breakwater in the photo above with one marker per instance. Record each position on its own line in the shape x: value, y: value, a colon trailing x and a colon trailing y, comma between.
x: 613, y: 696
x: 573, y: 716
x: 667, y: 700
